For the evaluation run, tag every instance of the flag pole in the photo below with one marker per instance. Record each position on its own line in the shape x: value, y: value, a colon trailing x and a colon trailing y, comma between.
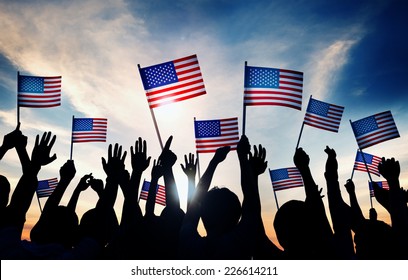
x: 18, y: 106
x: 198, y: 157
x: 301, y: 129
x: 39, y: 204
x: 352, y: 172
x: 72, y: 136
x: 153, y: 117
x: 274, y: 193
x: 243, y: 105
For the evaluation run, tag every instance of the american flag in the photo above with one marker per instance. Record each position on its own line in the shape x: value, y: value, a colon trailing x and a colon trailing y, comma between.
x: 46, y: 187
x: 172, y: 81
x: 382, y: 184
x: 371, y: 160
x: 270, y: 86
x: 286, y: 178
x: 213, y: 134
x: 323, y: 115
x: 39, y: 92
x: 160, y: 193
x: 375, y: 129
x: 89, y: 130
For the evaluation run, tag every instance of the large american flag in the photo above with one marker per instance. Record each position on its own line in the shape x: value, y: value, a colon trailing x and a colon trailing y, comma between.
x: 375, y: 129
x: 286, y: 178
x: 371, y: 160
x: 39, y: 92
x: 323, y: 115
x: 270, y: 86
x: 46, y: 187
x: 160, y: 193
x: 213, y: 134
x: 382, y: 184
x: 89, y: 130
x: 172, y: 81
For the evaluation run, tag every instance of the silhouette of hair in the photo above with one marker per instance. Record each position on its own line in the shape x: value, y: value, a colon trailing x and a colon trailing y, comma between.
x: 220, y: 209
x: 58, y: 226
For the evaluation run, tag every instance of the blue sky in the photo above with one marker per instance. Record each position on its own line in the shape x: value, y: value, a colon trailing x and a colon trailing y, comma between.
x: 352, y: 53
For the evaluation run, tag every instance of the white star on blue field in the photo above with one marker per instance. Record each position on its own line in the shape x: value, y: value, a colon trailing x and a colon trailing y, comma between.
x: 352, y: 54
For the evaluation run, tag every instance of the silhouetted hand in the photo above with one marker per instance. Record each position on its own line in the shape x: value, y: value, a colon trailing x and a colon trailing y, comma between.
x: 389, y: 169
x: 157, y: 170
x: 41, y: 152
x: 190, y: 167
x: 139, y: 158
x: 85, y: 182
x: 221, y: 154
x: 68, y: 171
x: 331, y: 165
x: 257, y: 161
x: 243, y: 147
x: 96, y: 185
x: 167, y: 157
x: 9, y: 140
x: 115, y: 164
x: 301, y: 159
x: 350, y: 186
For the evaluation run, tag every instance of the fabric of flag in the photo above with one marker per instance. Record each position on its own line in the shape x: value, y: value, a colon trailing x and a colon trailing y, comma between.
x: 160, y: 193
x: 286, y: 178
x: 382, y: 184
x: 270, y: 86
x: 172, y: 81
x: 39, y: 92
x: 323, y: 115
x: 371, y: 160
x: 213, y: 134
x: 89, y: 130
x: 46, y: 187
x: 375, y: 129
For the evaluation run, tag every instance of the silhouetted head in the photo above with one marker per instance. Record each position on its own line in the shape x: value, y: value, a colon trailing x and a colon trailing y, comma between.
x: 99, y: 225
x: 374, y: 240
x: 4, y: 191
x: 293, y: 228
x: 220, y: 210
x: 59, y: 225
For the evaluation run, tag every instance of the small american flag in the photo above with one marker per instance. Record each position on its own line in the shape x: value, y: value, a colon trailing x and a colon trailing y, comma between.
x: 46, y: 187
x: 89, y: 130
x: 371, y: 160
x: 382, y: 184
x: 375, y: 129
x: 160, y: 193
x: 39, y: 92
x: 172, y: 81
x: 213, y: 134
x: 323, y: 115
x: 286, y: 178
x: 270, y: 86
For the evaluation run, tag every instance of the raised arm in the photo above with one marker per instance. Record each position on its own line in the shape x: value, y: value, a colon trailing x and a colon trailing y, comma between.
x: 83, y: 184
x: 157, y: 172
x: 190, y: 169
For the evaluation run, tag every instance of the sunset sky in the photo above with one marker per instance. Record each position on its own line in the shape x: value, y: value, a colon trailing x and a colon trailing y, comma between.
x: 352, y: 53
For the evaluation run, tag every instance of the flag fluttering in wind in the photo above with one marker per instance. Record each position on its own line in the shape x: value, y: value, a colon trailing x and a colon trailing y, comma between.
x: 39, y: 92
x: 374, y: 129
x: 160, y: 193
x: 213, y: 134
x: 372, y: 162
x: 89, y: 130
x: 323, y: 115
x: 172, y: 81
x: 46, y: 187
x: 271, y: 86
x: 382, y: 184
x: 286, y: 178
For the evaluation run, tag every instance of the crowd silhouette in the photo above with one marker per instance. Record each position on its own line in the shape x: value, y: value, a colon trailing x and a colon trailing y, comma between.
x: 234, y: 230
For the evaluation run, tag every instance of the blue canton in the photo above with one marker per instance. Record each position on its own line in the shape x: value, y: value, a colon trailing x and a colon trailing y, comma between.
x: 42, y: 185
x: 159, y: 75
x: 364, y: 126
x: 368, y: 158
x: 207, y: 129
x: 31, y: 84
x: 83, y: 124
x: 279, y: 174
x: 318, y: 107
x: 261, y: 77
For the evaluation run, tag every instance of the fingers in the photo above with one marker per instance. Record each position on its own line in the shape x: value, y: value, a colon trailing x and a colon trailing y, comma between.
x: 168, y: 143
